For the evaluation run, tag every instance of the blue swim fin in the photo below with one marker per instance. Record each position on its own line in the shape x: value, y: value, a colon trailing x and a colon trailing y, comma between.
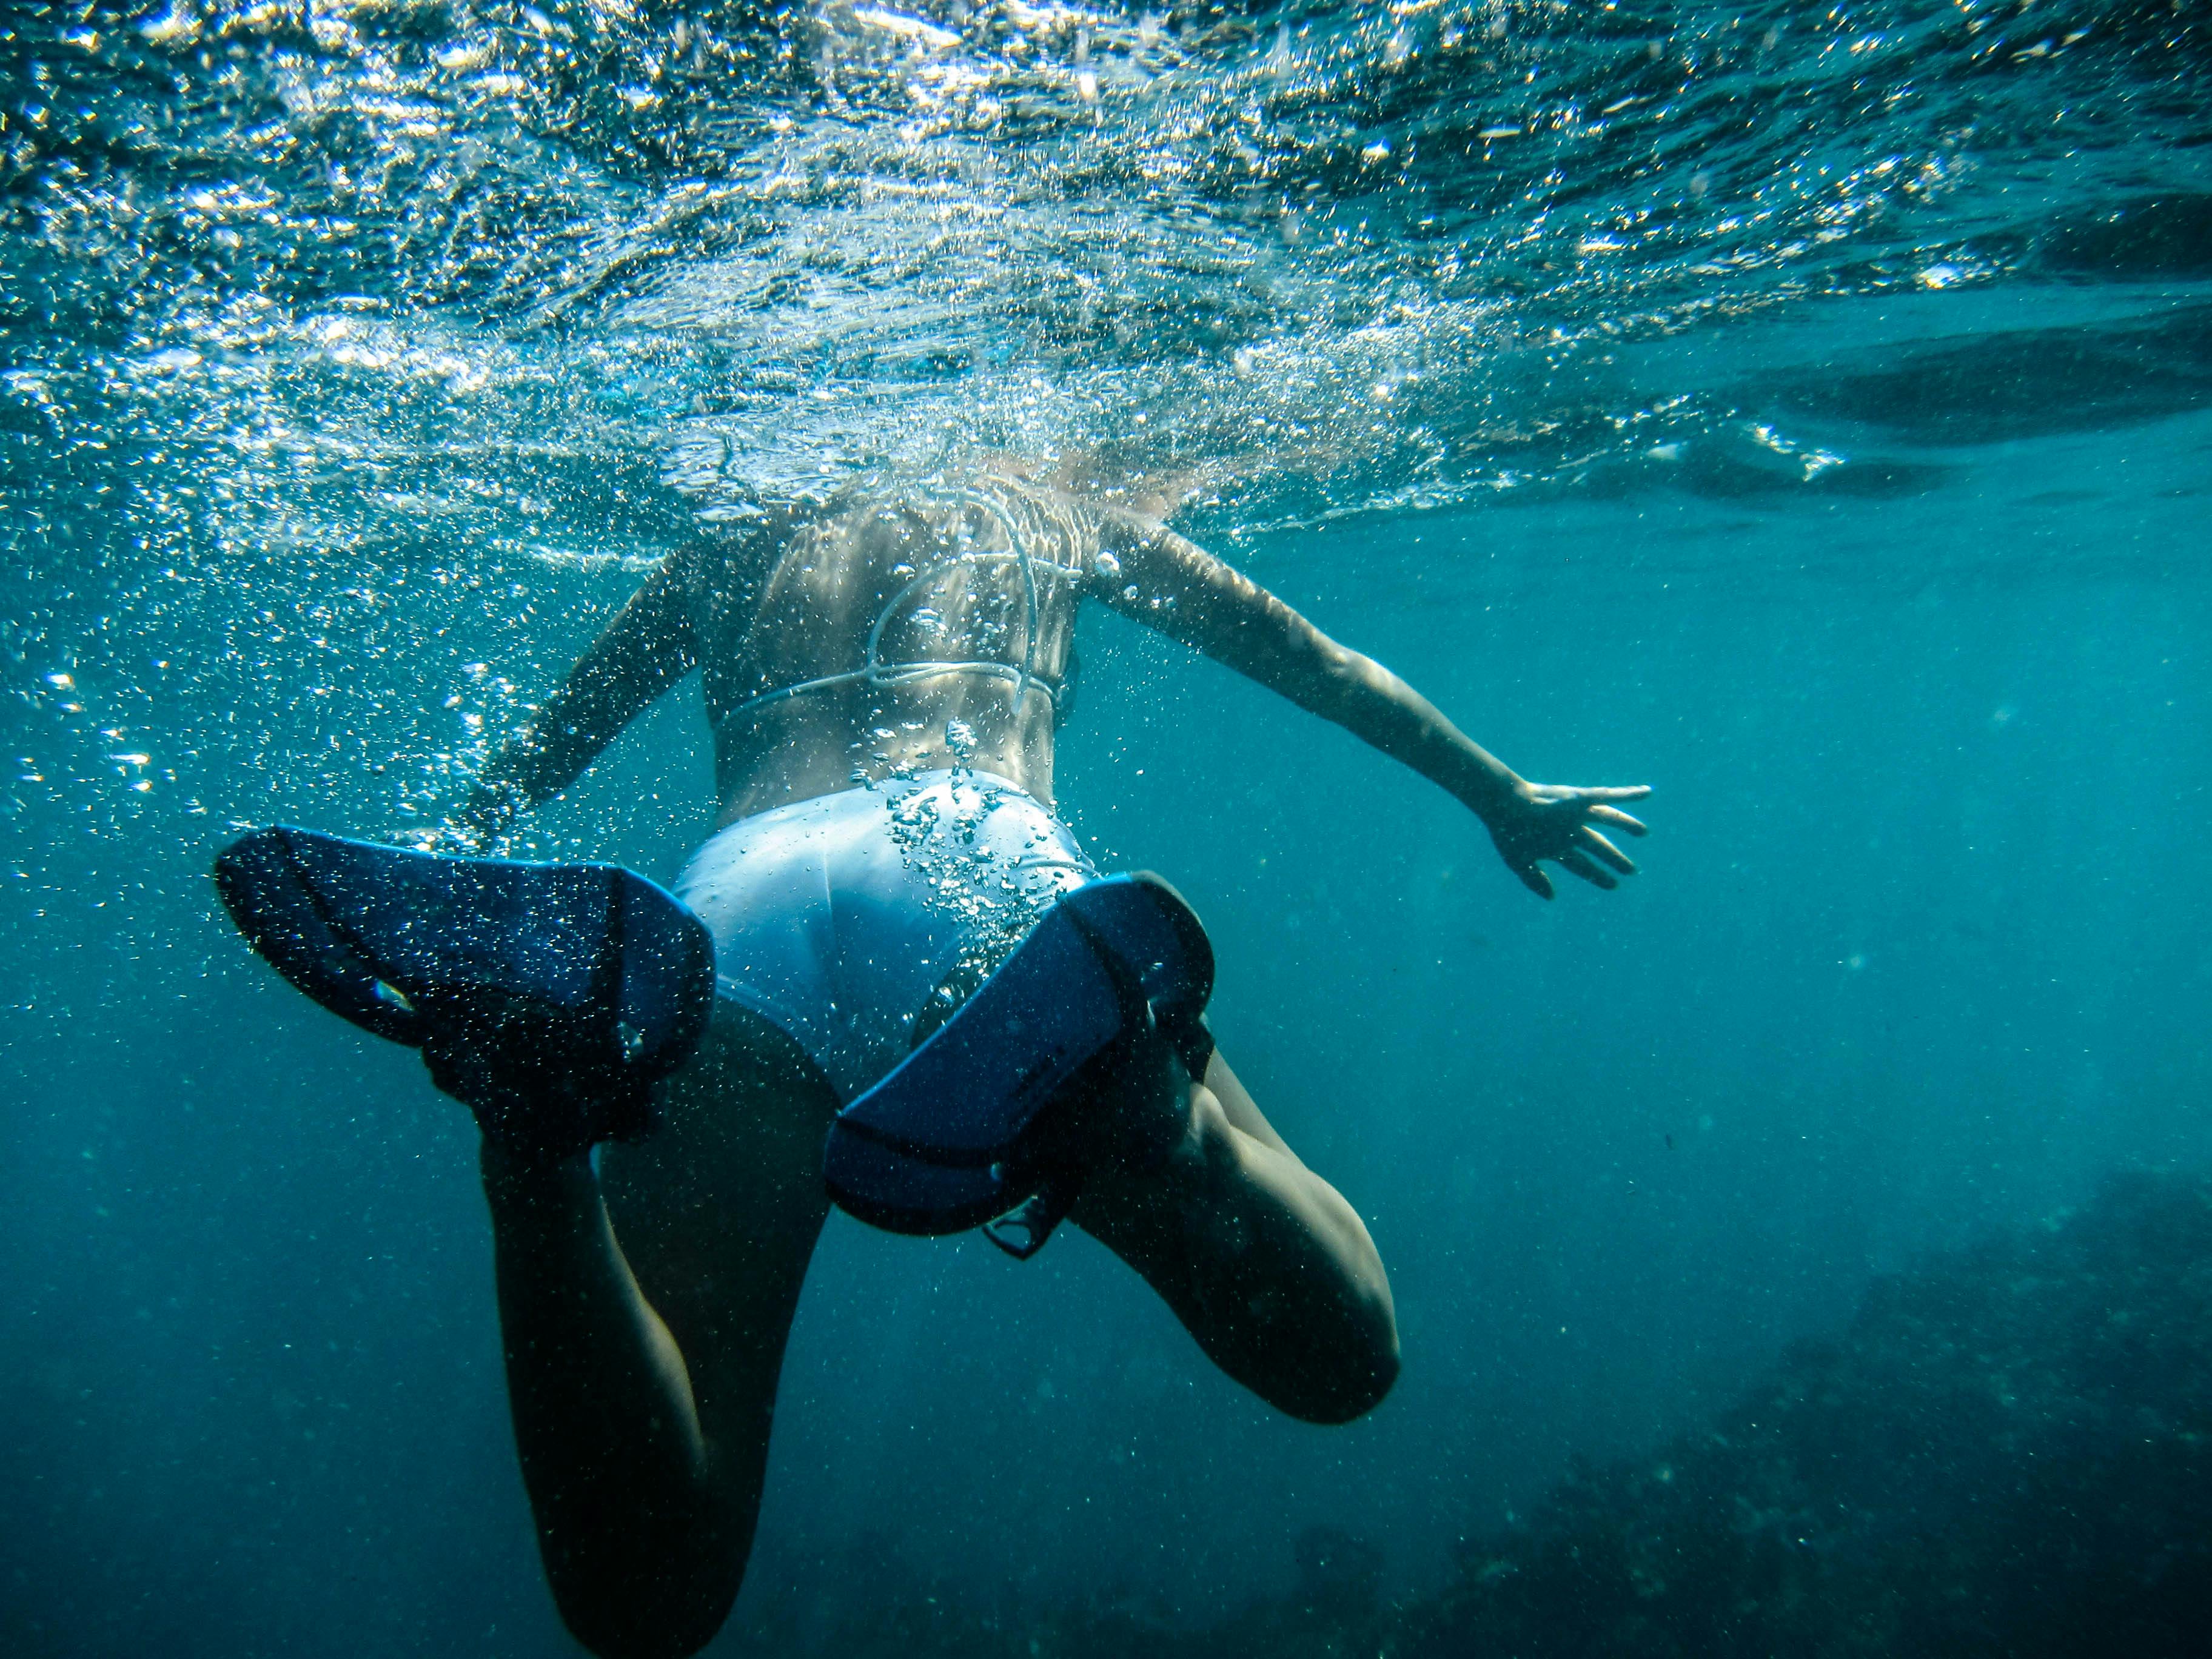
x: 976, y: 1122
x: 549, y: 997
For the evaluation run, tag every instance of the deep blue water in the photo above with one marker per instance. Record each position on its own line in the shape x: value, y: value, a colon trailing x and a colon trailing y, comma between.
x: 1823, y: 435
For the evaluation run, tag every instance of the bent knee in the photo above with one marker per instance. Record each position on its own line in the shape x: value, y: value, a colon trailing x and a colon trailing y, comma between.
x: 657, y: 1619
x: 1351, y: 1383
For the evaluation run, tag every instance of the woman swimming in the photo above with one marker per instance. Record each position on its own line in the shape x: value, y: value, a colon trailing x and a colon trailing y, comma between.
x: 885, y: 682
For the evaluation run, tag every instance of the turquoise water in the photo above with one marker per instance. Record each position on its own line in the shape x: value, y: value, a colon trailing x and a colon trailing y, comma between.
x: 1808, y: 413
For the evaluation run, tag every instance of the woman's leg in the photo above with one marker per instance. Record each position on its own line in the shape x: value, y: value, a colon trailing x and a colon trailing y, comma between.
x: 1262, y: 1260
x: 644, y: 1311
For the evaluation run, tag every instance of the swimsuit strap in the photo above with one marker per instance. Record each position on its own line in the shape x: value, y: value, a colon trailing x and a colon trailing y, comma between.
x: 874, y: 670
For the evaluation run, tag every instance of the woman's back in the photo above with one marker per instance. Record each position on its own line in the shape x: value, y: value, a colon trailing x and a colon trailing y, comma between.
x: 930, y: 628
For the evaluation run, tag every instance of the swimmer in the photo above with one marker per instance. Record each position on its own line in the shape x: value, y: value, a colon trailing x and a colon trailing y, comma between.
x: 885, y: 682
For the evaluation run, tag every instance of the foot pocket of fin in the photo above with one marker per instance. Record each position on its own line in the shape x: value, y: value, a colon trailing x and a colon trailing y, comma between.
x: 549, y: 997
x: 993, y: 1115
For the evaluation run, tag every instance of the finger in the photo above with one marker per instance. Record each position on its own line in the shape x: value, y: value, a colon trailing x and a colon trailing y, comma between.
x: 1618, y: 819
x: 1633, y: 791
x: 1576, y: 863
x: 1606, y: 852
x: 1585, y: 797
x: 1536, y: 881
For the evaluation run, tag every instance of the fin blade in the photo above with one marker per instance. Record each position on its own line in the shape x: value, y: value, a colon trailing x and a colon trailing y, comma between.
x: 272, y: 900
x: 606, y: 972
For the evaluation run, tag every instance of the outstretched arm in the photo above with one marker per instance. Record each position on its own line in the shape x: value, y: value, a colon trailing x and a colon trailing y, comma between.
x: 645, y: 650
x: 1170, y: 584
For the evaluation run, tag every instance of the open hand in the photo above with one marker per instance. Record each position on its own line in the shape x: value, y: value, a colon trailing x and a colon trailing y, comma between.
x: 1559, y: 822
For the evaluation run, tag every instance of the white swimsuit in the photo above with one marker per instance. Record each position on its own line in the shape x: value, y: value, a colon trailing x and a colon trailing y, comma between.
x: 836, y: 917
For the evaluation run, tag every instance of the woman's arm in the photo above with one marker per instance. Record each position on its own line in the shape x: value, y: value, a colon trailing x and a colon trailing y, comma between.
x: 1170, y: 584
x: 646, y: 648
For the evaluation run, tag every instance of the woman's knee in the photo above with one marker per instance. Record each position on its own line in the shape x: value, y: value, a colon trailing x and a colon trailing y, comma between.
x: 658, y: 1589
x: 1349, y: 1375
x: 666, y: 1617
x: 1357, y: 1334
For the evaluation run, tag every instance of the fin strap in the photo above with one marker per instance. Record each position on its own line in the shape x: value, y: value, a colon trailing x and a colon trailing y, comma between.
x: 1021, y: 1232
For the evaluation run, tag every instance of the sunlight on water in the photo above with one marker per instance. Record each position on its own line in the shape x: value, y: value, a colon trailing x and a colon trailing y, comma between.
x: 1383, y: 254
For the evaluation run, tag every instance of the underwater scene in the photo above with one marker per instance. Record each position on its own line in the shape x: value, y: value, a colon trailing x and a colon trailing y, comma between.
x: 1802, y: 410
